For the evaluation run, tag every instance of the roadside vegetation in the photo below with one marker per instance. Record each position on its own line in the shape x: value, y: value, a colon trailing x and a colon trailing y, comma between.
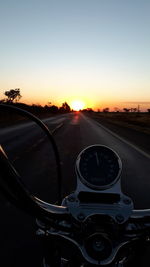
x: 127, y: 117
x: 139, y: 121
x: 13, y: 96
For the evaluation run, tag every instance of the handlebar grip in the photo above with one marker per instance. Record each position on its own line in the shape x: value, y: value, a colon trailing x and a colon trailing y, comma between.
x: 14, y: 190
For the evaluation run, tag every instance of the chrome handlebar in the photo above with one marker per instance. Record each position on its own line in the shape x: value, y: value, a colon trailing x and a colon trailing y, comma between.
x: 14, y: 190
x: 12, y: 187
x: 47, y: 132
x: 143, y: 215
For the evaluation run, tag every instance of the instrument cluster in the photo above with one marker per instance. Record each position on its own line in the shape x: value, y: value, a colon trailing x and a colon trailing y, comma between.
x: 98, y: 167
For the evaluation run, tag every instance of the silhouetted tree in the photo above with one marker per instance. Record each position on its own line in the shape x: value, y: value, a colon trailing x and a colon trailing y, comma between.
x: 13, y: 94
x: 126, y: 110
x: 65, y: 107
x: 105, y: 110
x: 133, y: 109
x: 53, y: 109
x: 148, y: 110
x: 90, y: 110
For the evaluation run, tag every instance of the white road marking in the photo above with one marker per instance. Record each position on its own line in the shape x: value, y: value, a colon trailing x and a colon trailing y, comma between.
x: 34, y: 146
x: 123, y: 140
x: 11, y: 129
x: 117, y: 136
x: 56, y: 128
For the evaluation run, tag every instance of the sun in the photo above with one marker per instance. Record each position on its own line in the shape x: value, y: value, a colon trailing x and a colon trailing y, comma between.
x: 77, y: 105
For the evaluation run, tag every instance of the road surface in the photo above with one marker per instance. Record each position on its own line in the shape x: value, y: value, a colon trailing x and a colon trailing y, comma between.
x: 31, y: 154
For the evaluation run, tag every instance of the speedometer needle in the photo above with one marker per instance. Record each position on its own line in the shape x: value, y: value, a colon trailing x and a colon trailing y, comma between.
x: 97, y: 159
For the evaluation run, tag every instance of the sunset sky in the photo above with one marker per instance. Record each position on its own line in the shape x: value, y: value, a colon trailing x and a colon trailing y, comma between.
x: 95, y: 51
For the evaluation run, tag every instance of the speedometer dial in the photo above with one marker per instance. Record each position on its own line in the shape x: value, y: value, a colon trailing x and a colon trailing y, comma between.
x: 98, y: 166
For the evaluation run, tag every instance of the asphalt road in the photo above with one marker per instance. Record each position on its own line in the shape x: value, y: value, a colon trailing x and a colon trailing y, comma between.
x: 32, y: 156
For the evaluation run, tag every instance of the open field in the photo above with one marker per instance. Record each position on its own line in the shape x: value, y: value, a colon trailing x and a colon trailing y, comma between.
x: 10, y: 117
x: 136, y: 121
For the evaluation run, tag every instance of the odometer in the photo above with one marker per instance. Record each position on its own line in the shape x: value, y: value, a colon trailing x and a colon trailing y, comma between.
x: 98, y: 166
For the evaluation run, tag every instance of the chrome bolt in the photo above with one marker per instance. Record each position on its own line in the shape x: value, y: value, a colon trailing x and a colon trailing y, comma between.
x: 119, y: 218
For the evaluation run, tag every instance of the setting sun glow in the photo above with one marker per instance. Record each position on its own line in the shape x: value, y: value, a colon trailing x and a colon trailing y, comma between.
x: 77, y: 105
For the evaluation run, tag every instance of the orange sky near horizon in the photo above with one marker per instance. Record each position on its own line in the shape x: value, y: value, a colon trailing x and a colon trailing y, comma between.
x: 91, y: 86
x: 89, y: 102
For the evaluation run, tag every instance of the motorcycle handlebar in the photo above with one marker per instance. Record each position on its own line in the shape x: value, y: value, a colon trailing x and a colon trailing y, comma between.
x: 48, y: 134
x: 143, y: 215
x: 12, y: 187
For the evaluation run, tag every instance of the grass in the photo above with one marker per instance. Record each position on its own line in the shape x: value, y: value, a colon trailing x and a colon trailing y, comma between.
x: 137, y: 121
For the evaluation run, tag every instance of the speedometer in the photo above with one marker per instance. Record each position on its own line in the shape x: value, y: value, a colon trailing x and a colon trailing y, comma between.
x: 98, y: 167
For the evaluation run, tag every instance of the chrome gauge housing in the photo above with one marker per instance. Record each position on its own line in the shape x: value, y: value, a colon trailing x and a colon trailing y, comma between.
x: 98, y: 167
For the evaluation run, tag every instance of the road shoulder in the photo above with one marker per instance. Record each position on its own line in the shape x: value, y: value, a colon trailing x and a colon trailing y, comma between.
x: 139, y: 139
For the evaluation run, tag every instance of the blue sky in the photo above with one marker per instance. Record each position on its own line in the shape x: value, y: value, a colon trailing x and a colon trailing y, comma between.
x: 96, y: 51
